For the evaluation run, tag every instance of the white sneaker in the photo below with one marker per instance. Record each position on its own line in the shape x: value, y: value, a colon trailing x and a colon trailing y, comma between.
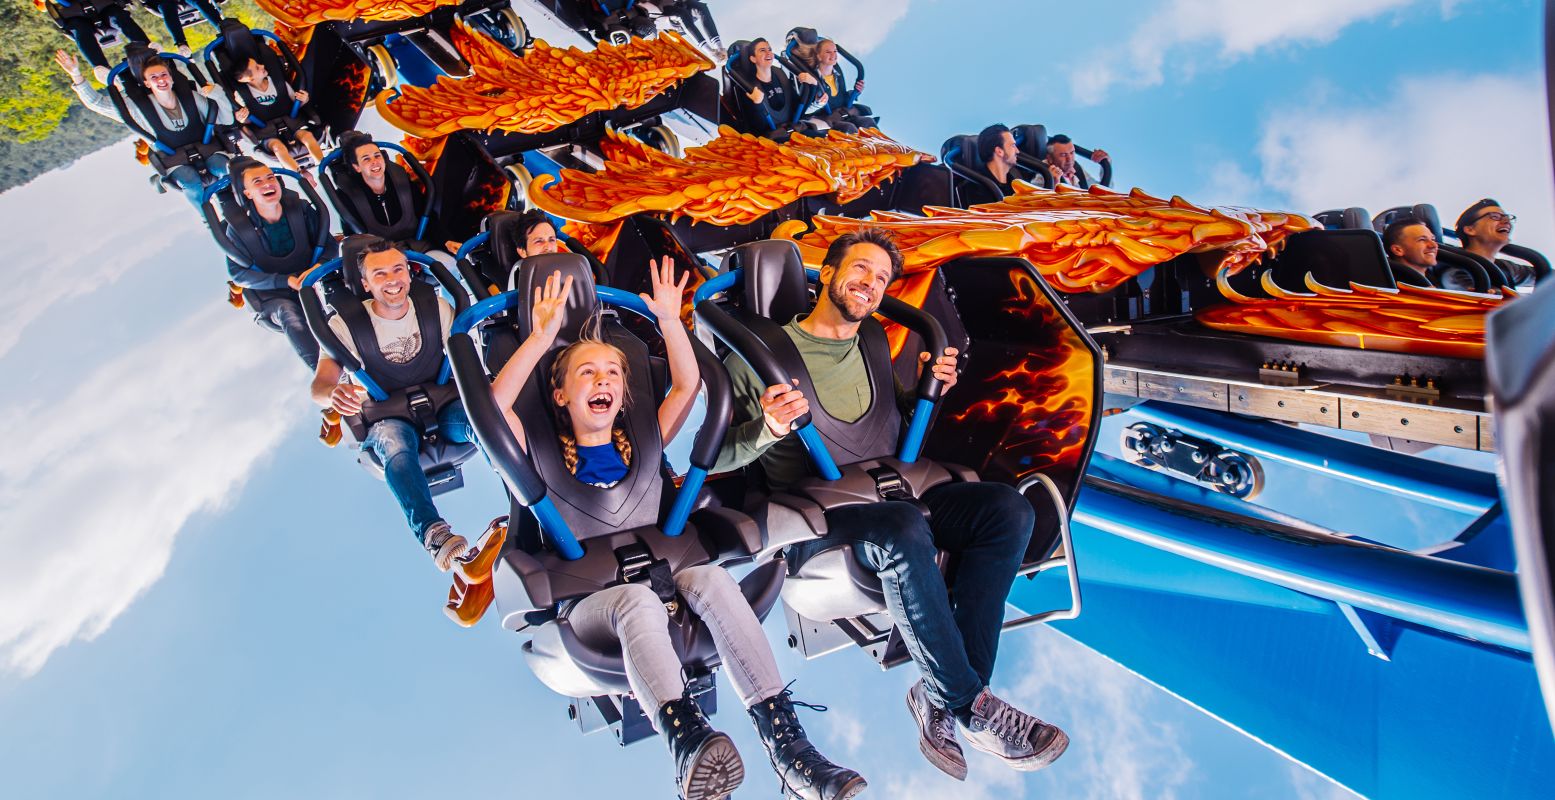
x: 444, y: 545
x: 1021, y: 740
x: 936, y: 733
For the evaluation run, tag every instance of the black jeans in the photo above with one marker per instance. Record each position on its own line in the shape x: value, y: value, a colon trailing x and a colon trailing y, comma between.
x: 175, y: 27
x: 85, y: 34
x: 951, y: 632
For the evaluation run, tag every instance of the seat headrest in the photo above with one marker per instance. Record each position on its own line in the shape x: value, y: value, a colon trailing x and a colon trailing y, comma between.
x: 351, y: 249
x: 1355, y: 218
x: 1031, y: 140
x: 135, y: 54
x: 772, y: 277
x: 738, y: 63
x: 237, y: 41
x: 1424, y: 212
x: 582, y: 302
x: 806, y: 36
x: 961, y: 151
x: 503, y: 239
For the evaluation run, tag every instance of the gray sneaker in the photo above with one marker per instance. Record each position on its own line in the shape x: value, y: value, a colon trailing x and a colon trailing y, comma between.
x: 444, y: 544
x: 936, y: 733
x: 1021, y: 740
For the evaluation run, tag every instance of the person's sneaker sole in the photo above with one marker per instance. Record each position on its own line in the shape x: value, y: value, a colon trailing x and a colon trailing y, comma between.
x: 716, y: 770
x: 945, y: 765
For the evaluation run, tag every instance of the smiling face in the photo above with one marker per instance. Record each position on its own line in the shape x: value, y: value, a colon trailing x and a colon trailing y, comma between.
x: 762, y: 55
x: 261, y: 186
x: 541, y: 240
x: 158, y: 78
x: 1416, y: 247
x: 588, y: 381
x: 1491, y: 227
x: 856, y: 287
x: 826, y: 55
x: 386, y: 276
x: 369, y: 161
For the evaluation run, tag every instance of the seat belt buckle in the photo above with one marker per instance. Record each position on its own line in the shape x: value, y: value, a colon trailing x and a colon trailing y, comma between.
x: 637, y: 565
x: 890, y: 486
x: 422, y: 408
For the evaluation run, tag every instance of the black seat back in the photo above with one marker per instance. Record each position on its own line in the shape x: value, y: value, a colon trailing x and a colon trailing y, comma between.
x: 590, y: 511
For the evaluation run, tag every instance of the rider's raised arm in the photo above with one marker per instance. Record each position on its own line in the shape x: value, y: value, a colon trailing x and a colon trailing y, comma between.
x: 547, y: 316
x: 685, y: 376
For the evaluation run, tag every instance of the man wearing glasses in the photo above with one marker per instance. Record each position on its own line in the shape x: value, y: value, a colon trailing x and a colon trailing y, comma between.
x: 1485, y: 228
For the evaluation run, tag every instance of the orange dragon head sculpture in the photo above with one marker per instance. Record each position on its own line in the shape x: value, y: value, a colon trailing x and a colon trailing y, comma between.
x: 307, y: 13
x: 542, y: 90
x: 733, y: 180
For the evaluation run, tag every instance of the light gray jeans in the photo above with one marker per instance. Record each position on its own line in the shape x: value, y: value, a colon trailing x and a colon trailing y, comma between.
x: 632, y: 614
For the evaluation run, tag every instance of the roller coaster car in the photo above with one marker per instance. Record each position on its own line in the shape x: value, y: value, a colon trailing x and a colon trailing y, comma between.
x: 194, y: 144
x: 832, y: 600
x: 377, y: 41
x: 1032, y: 141
x: 1472, y: 271
x: 225, y: 205
x: 280, y: 117
x: 617, y: 21
x: 844, y: 106
x: 414, y: 392
x: 352, y: 199
x: 573, y: 539
x: 95, y: 11
x: 739, y: 79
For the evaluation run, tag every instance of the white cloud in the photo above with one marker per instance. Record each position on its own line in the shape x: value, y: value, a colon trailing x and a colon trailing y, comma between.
x: 96, y: 485
x: 1445, y: 140
x: 1308, y: 785
x: 77, y: 247
x: 858, y: 25
x: 1122, y: 750
x: 1170, y: 39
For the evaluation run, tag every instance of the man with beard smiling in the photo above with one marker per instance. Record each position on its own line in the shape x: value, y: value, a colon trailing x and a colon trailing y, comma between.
x: 401, y: 348
x: 985, y: 526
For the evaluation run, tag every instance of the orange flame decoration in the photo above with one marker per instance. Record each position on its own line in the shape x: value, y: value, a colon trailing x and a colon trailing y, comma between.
x: 1410, y: 320
x: 733, y: 180
x: 544, y: 89
x: 1080, y: 241
x: 1044, y: 400
x: 307, y: 13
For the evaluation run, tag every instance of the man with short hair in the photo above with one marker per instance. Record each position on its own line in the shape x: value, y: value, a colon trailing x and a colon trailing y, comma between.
x: 986, y: 526
x: 277, y: 232
x: 382, y: 208
x: 1485, y: 228
x: 1062, y: 164
x: 1410, y: 244
x: 404, y: 348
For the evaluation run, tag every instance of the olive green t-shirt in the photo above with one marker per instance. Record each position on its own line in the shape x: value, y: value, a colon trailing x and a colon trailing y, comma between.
x: 841, y: 383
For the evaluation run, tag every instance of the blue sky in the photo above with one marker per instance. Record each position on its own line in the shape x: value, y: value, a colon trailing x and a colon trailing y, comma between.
x: 196, y: 594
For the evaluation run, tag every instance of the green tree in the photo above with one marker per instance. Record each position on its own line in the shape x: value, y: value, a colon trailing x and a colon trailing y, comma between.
x: 41, y: 124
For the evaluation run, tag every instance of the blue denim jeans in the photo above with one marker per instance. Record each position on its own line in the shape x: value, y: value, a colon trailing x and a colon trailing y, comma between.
x: 281, y: 309
x: 191, y: 183
x: 951, y: 632
x: 397, y: 444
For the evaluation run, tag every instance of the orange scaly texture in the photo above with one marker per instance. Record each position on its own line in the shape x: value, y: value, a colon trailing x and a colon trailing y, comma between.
x: 307, y: 13
x: 1080, y: 241
x: 544, y: 89
x: 734, y: 179
x: 1410, y: 320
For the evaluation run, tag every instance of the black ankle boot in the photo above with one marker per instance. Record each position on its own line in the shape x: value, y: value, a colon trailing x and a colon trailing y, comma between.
x: 805, y: 773
x: 707, y: 767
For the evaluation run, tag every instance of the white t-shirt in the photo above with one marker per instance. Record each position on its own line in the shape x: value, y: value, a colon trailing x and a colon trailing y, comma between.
x: 398, y: 339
